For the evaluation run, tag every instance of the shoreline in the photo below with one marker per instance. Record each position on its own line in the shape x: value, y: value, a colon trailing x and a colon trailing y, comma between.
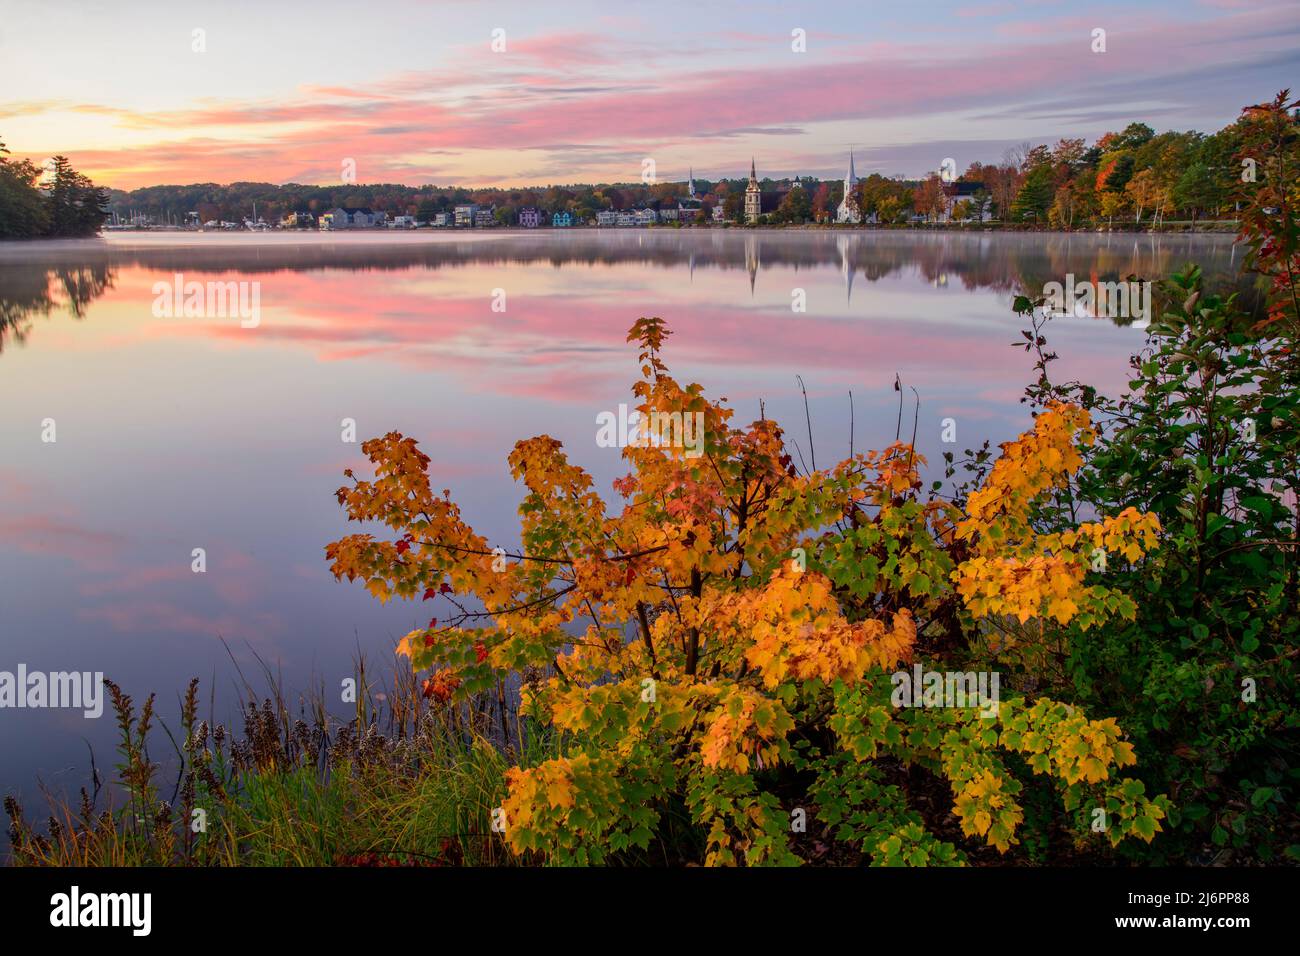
x: 160, y: 238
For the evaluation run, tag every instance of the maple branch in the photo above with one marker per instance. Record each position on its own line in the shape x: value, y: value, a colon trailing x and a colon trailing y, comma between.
x: 644, y: 620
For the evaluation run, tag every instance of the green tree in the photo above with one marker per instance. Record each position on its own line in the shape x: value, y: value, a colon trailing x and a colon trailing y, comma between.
x: 77, y: 207
x: 22, y: 212
x: 795, y: 207
x: 1197, y: 190
x: 1035, y: 196
x: 733, y: 207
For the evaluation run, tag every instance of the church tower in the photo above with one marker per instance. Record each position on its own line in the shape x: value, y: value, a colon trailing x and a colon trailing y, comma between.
x: 753, y: 197
x: 848, y: 211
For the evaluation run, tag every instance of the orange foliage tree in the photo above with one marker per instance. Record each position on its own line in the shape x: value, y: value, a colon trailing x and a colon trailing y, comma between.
x: 725, y: 645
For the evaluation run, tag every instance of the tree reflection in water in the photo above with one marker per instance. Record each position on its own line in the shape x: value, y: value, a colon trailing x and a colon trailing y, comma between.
x: 26, y: 293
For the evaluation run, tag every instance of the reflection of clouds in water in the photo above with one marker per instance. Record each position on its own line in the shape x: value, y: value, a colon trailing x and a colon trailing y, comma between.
x: 1003, y: 262
x: 175, y: 433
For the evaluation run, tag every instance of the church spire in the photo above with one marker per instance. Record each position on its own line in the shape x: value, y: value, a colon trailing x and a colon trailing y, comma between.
x: 690, y: 182
x: 752, y: 175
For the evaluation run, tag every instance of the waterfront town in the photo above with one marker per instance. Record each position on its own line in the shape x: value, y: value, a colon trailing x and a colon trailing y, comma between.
x: 752, y: 201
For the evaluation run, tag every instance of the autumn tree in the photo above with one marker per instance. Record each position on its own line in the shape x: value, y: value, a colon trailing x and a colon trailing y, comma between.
x: 722, y: 649
x: 794, y: 207
x: 1270, y: 203
x: 929, y: 198
x: 1112, y: 204
x: 1142, y: 191
x: 821, y: 203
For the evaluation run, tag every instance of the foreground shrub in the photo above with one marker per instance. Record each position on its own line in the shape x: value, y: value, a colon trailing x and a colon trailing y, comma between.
x: 721, y: 650
x: 1207, y: 439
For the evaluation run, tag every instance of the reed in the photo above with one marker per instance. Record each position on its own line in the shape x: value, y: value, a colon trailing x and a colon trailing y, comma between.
x: 402, y: 781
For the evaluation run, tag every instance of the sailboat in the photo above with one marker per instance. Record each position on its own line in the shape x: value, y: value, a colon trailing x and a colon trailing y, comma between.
x: 255, y: 224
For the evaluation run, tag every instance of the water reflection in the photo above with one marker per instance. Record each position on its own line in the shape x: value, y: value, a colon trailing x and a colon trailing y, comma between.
x: 177, y: 433
x: 38, y: 278
x: 26, y: 292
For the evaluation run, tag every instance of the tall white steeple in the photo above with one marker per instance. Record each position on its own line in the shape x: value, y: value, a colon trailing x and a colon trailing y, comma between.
x: 848, y: 210
x: 690, y: 183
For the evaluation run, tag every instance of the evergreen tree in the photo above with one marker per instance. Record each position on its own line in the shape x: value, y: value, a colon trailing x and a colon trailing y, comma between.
x: 1035, y: 196
x: 22, y: 213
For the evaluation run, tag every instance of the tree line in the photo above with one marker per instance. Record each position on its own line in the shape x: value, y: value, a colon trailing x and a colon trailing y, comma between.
x: 50, y: 201
x: 1135, y: 175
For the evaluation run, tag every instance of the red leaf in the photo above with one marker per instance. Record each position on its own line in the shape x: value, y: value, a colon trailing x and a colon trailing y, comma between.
x: 429, y: 592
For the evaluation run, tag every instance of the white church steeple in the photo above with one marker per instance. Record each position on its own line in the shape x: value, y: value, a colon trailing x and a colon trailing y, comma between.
x: 848, y: 211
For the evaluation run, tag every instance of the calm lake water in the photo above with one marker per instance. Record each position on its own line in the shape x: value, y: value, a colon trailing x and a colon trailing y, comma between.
x: 176, y: 433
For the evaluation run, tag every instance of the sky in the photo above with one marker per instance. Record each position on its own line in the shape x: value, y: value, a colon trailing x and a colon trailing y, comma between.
x: 147, y: 93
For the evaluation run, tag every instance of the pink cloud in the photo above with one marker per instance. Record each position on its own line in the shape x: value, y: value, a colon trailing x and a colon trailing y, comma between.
x: 556, y: 90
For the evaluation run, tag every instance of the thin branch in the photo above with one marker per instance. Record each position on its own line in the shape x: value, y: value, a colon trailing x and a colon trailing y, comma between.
x: 851, y: 425
x: 898, y: 387
x: 812, y: 449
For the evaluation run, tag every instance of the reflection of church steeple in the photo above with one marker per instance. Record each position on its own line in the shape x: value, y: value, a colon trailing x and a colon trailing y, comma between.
x: 845, y: 268
x: 751, y: 260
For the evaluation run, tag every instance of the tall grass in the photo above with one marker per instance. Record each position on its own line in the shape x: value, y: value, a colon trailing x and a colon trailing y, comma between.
x: 404, y: 781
